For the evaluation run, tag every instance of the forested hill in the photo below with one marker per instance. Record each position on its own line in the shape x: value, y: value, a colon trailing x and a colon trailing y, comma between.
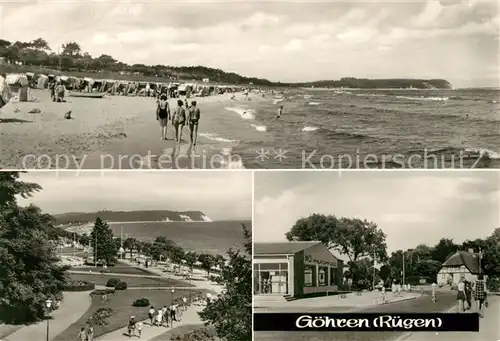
x: 37, y: 56
x: 363, y: 83
x: 129, y: 216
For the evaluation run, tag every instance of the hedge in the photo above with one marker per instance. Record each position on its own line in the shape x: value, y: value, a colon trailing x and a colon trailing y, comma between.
x: 100, y: 292
x: 112, y: 282
x: 141, y: 302
x: 121, y: 286
x: 79, y: 286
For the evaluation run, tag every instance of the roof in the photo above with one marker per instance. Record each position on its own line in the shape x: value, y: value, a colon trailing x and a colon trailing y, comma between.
x: 469, y: 260
x: 283, y: 248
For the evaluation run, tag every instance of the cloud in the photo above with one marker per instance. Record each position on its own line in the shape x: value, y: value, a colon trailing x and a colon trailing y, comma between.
x: 410, y: 207
x: 403, y: 39
x: 220, y: 195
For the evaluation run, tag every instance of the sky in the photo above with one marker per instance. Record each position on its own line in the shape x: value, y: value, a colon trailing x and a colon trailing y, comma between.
x: 220, y: 195
x: 285, y: 41
x: 411, y: 208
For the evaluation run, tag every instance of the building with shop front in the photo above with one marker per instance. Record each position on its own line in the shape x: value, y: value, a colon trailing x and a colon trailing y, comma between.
x: 295, y: 269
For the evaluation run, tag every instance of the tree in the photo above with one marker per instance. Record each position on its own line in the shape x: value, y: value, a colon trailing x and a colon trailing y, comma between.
x: 103, y: 243
x: 207, y: 262
x: 30, y: 271
x: 130, y: 244
x: 427, y: 268
x: 385, y: 272
x: 71, y: 49
x: 40, y: 44
x: 190, y: 258
x: 84, y: 239
x: 443, y: 250
x: 231, y: 313
x: 355, y: 238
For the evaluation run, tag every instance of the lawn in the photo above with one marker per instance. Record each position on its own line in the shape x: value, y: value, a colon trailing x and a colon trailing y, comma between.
x: 102, y: 279
x: 121, y: 303
x: 418, y: 305
x: 120, y: 269
x: 173, y: 333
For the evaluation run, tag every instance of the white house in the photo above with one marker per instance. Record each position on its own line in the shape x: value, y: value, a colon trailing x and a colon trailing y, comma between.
x: 461, y: 263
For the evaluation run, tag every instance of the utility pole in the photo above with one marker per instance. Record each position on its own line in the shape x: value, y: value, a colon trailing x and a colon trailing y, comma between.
x: 374, y: 263
x: 60, y: 59
x: 74, y: 243
x: 404, y: 268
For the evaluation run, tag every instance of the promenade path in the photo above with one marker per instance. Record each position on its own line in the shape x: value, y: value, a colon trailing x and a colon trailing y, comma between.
x: 73, y: 306
x: 489, y: 327
x: 189, y: 317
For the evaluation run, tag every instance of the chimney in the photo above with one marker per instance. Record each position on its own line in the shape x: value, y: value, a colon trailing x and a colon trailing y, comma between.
x: 471, y: 250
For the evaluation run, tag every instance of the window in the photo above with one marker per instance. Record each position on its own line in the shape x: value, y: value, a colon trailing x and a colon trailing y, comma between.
x: 322, y: 276
x: 333, y: 276
x: 308, y: 276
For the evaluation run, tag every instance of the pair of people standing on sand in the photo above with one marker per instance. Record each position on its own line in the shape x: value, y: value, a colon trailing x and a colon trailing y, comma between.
x: 179, y: 118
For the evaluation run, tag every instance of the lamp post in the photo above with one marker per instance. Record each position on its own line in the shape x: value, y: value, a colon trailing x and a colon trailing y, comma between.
x: 172, y: 292
x: 48, y: 304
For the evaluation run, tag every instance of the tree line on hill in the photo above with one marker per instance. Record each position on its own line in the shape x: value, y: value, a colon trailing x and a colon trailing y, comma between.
x: 71, y: 57
x: 361, y: 239
x: 31, y: 271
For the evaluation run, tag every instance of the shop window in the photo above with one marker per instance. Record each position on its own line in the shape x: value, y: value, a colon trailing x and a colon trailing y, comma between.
x: 323, y: 276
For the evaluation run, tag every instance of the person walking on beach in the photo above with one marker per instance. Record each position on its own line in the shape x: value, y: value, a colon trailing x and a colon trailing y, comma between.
x: 193, y: 118
x: 178, y: 120
x: 82, y: 335
x: 163, y: 115
x: 461, y: 295
x: 480, y: 293
x: 280, y: 111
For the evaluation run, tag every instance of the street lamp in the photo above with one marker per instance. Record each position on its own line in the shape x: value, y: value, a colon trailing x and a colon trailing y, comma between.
x: 172, y: 292
x: 48, y: 304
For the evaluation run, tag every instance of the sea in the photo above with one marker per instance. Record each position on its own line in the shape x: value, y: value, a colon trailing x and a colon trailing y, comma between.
x: 215, y: 237
x: 336, y: 129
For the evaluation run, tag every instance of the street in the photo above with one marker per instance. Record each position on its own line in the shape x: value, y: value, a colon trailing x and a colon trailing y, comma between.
x: 489, y: 328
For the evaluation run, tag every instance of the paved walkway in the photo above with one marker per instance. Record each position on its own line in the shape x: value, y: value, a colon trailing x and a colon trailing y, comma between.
x: 74, y: 305
x: 489, y: 327
x: 149, y: 332
x: 366, y: 299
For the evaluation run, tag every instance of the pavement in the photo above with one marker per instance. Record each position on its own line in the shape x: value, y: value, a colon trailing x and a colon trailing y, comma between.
x: 351, y: 302
x: 489, y: 327
x: 73, y: 306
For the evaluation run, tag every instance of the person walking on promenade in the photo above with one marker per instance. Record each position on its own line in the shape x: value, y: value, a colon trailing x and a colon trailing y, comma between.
x: 480, y: 293
x: 433, y: 299
x: 90, y: 334
x: 468, y: 294
x: 461, y: 295
x: 151, y: 315
x: 82, y: 335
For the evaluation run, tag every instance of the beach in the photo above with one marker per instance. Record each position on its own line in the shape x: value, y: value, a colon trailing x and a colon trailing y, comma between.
x: 319, y: 129
x: 115, y: 132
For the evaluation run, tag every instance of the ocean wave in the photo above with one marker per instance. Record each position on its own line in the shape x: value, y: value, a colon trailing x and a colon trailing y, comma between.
x: 454, y: 151
x: 314, y: 103
x: 259, y: 128
x: 307, y: 96
x: 246, y: 114
x: 310, y: 128
x: 423, y: 98
x: 215, y: 137
x: 339, y: 92
x: 276, y: 101
x: 371, y: 95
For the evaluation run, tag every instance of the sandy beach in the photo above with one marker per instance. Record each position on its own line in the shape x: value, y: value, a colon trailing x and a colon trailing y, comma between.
x: 114, y: 132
